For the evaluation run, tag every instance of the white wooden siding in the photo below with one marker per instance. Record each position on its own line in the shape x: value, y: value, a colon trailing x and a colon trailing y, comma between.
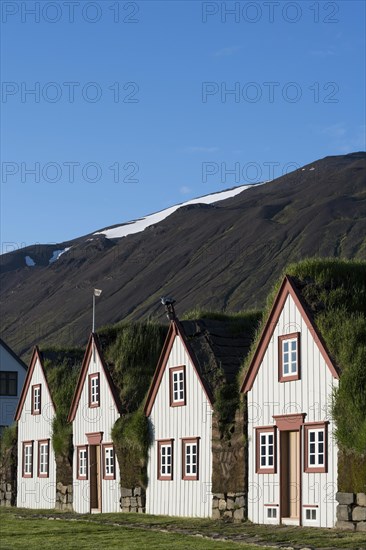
x: 89, y: 420
x: 310, y: 395
x: 181, y: 497
x: 36, y: 492
x: 8, y: 404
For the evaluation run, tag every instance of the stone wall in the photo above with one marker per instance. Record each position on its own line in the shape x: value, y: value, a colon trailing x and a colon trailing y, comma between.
x: 229, y: 505
x: 133, y: 500
x: 64, y: 497
x: 351, y: 511
x: 7, y: 494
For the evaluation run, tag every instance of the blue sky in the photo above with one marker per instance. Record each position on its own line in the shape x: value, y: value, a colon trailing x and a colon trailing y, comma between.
x: 132, y: 111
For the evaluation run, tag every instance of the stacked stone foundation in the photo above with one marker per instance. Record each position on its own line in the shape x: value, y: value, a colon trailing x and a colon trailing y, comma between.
x: 229, y: 506
x: 133, y: 500
x: 351, y: 511
x: 64, y: 497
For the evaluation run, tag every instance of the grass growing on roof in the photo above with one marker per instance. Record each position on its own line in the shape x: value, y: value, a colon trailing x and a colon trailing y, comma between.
x: 62, y: 368
x: 132, y: 350
x: 335, y: 293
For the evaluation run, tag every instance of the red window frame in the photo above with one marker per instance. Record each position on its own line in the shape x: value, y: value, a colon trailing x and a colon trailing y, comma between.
x: 43, y: 442
x: 281, y: 339
x: 27, y: 444
x: 106, y: 476
x: 166, y: 443
x: 318, y: 426
x: 180, y: 402
x: 78, y: 449
x: 185, y: 442
x: 258, y: 432
x: 93, y: 377
x: 35, y: 411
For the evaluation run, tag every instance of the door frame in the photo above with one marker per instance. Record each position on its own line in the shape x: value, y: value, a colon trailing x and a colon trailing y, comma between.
x: 95, y: 440
x: 290, y: 423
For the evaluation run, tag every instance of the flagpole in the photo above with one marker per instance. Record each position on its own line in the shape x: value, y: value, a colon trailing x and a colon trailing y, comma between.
x: 96, y: 292
x: 93, y: 326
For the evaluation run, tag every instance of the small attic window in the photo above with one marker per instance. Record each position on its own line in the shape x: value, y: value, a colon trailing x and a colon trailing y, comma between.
x: 94, y: 390
x: 289, y: 357
x: 177, y: 383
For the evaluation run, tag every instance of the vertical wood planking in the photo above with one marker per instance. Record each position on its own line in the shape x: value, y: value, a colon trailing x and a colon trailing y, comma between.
x: 181, y: 497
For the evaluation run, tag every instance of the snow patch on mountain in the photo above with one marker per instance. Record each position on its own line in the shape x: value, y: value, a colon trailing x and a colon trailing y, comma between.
x: 29, y: 261
x: 139, y: 225
x: 56, y: 254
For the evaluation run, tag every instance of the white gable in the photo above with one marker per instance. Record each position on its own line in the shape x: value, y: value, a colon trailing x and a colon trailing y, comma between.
x: 181, y: 497
x: 312, y: 395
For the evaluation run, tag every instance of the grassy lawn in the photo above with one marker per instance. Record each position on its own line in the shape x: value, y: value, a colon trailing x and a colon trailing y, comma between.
x: 20, y: 528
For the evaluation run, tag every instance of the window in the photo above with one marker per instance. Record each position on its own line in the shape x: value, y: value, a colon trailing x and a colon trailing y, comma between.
x: 43, y: 458
x: 94, y: 390
x: 316, y: 447
x: 8, y: 383
x: 28, y: 459
x: 109, y: 462
x: 310, y: 514
x: 289, y: 357
x: 36, y: 399
x: 82, y: 463
x: 190, y: 458
x: 271, y: 513
x: 165, y: 459
x: 266, y: 450
x: 177, y: 386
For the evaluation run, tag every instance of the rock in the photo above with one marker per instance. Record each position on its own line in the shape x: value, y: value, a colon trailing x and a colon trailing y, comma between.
x: 228, y: 514
x: 70, y: 488
x: 222, y: 504
x: 344, y: 512
x: 361, y: 526
x: 8, y: 496
x: 345, y: 498
x: 137, y: 491
x: 126, y: 492
x: 59, y: 486
x: 361, y: 499
x: 215, y: 503
x: 63, y: 489
x: 346, y: 525
x: 140, y: 510
x: 133, y: 502
x: 231, y: 495
x: 359, y: 514
x: 230, y: 504
x: 216, y: 514
x: 219, y: 495
x: 239, y: 514
x: 69, y: 498
x: 240, y: 501
x: 68, y: 507
x: 125, y: 510
x: 126, y: 502
x: 8, y: 487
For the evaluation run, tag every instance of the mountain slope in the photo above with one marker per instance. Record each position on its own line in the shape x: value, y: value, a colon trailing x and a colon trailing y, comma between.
x: 223, y: 255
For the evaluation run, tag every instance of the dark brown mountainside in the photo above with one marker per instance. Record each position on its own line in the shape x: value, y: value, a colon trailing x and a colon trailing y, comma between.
x: 219, y: 257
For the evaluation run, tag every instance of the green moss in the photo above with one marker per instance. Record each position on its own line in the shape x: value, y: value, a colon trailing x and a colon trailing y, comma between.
x: 62, y: 368
x: 132, y: 350
x: 131, y: 438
